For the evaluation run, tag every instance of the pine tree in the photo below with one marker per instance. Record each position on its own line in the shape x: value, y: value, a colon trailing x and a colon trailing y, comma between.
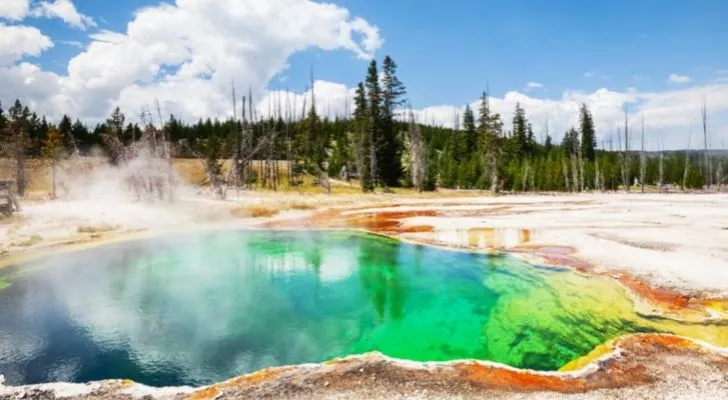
x: 389, y: 147
x: 115, y: 123
x: 530, y: 141
x: 64, y: 128
x: 3, y: 119
x: 484, y: 115
x: 470, y: 133
x: 520, y: 132
x: 363, y: 139
x: 213, y: 165
x: 588, y: 134
x: 374, y: 119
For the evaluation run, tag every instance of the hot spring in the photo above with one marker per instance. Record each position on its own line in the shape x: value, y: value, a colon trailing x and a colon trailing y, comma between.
x: 202, y: 307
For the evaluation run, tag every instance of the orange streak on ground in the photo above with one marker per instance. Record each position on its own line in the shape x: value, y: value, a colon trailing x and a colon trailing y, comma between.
x: 204, y: 394
x: 248, y: 380
x: 663, y: 298
x: 501, y: 378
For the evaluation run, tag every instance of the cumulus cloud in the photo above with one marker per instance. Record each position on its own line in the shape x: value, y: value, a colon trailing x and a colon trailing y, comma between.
x: 64, y: 10
x: 186, y: 54
x: 17, y: 41
x: 676, y: 78
x: 669, y: 115
x: 14, y: 10
x: 332, y: 100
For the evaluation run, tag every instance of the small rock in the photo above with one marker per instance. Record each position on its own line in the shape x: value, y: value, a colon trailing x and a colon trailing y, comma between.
x: 326, y: 383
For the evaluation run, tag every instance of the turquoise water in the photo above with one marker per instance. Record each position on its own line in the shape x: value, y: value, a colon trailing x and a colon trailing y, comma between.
x: 199, y: 308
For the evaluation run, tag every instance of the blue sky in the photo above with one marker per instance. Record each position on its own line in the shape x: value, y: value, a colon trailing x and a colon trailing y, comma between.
x: 604, y: 53
x: 448, y: 51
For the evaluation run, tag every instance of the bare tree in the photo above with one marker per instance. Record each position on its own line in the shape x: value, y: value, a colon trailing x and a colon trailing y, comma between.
x: 418, y: 167
x: 565, y: 170
x: 643, y: 164
x: 54, y: 151
x: 15, y: 144
x: 581, y: 169
x: 708, y: 171
x: 687, y: 159
x: 661, y: 181
x: 167, y: 153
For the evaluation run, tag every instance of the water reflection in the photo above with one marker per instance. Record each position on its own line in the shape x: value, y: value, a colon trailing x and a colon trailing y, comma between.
x: 200, y: 308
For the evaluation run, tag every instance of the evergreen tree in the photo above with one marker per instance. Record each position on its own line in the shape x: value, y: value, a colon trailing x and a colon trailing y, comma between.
x: 84, y: 138
x: 374, y: 119
x: 314, y: 143
x: 213, y: 164
x: 520, y: 133
x: 588, y: 134
x: 64, y: 128
x: 363, y: 139
x: 390, y: 148
x: 484, y: 115
x: 470, y: 133
x: 570, y: 142
x: 530, y: 141
x: 3, y: 119
x: 115, y: 123
x: 548, y: 145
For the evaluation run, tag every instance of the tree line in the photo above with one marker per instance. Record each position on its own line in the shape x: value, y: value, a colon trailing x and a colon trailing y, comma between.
x: 379, y: 145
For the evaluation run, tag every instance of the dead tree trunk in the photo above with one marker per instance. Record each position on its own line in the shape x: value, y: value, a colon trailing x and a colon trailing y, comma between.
x: 565, y: 170
x: 418, y: 170
x: 687, y: 161
x: 627, y: 161
x: 643, y: 166
x: 575, y: 174
x: 708, y: 171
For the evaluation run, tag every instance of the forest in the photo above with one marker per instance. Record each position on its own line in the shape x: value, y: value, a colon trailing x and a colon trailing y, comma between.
x: 380, y: 145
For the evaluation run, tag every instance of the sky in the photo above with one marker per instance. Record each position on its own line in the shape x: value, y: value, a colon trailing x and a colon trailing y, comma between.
x: 659, y: 59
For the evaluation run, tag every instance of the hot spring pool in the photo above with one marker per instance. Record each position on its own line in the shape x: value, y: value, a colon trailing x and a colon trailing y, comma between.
x: 199, y: 308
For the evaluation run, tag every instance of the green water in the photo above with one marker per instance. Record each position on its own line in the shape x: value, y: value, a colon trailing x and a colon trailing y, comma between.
x: 198, y: 308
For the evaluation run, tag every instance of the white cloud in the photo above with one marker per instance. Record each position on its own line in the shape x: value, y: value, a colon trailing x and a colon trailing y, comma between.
x: 186, y: 54
x: 640, y: 78
x: 17, y: 41
x: 668, y: 114
x: 589, y: 74
x: 332, y: 100
x: 676, y: 78
x: 73, y: 43
x: 534, y: 85
x: 14, y: 10
x: 64, y: 10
